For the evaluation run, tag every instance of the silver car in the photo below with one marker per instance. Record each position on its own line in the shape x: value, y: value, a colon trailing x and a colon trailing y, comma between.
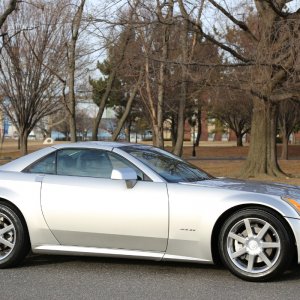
x: 137, y: 201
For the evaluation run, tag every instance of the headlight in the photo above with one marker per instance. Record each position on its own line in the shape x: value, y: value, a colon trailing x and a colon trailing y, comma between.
x: 293, y: 202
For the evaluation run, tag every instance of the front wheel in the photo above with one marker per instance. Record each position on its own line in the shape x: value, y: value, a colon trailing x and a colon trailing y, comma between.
x: 255, y: 245
x: 14, y: 241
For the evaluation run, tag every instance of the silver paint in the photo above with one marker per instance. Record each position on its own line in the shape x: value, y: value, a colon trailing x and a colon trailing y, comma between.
x: 93, y: 216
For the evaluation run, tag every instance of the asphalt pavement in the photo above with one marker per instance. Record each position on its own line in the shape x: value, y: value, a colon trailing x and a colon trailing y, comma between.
x: 64, y: 277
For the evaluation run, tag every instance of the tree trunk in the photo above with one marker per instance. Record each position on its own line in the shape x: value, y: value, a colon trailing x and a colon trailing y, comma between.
x: 154, y: 137
x: 152, y: 108
x: 285, y: 138
x: 23, y: 142
x: 73, y: 133
x: 127, y: 109
x: 262, y: 156
x: 274, y: 60
x: 110, y: 83
x: 72, y: 68
x: 72, y: 106
x: 181, y: 120
x: 161, y: 94
x: 160, y: 103
x: 157, y: 136
x: 160, y: 133
x: 183, y: 94
x: 199, y: 127
x: 98, y: 120
x: 124, y: 117
x: 285, y: 142
x: 173, y: 131
x: 149, y: 103
x: 102, y: 104
x: 239, y: 139
x: 162, y: 73
x: 128, y: 131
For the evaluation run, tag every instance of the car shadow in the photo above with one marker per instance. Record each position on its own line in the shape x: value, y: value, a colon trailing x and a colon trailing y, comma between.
x: 39, y: 260
x: 35, y: 260
x: 291, y: 275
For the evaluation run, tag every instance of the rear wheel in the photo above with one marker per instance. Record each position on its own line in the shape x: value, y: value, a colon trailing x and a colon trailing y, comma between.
x: 255, y: 245
x: 14, y: 241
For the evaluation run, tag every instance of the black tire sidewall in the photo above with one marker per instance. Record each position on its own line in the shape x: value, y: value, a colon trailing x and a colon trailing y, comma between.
x: 21, y: 246
x: 285, y: 240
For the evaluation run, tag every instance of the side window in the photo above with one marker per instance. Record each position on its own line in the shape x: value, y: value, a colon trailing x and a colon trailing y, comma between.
x: 84, y: 162
x: 67, y: 162
x: 46, y: 165
x: 120, y: 162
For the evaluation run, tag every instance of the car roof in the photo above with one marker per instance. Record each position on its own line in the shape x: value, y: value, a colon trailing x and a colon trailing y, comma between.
x: 93, y: 144
x: 21, y: 163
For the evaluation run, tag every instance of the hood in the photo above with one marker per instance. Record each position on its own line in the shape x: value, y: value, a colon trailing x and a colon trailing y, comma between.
x: 275, y: 189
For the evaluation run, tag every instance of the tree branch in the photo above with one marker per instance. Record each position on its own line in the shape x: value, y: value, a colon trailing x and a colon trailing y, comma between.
x: 276, y: 9
x: 214, y: 65
x: 285, y: 96
x: 240, y: 24
x: 11, y: 7
x: 209, y: 37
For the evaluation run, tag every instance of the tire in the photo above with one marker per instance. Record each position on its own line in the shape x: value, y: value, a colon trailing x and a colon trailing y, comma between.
x: 14, y: 240
x: 255, y: 245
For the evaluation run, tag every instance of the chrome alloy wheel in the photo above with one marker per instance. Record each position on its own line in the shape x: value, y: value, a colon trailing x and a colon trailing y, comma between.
x: 7, y: 236
x: 253, y: 245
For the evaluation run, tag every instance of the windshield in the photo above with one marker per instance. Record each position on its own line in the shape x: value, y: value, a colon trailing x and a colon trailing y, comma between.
x: 167, y: 165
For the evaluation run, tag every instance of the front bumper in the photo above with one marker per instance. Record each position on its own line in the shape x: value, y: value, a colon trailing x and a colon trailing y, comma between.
x: 295, y: 226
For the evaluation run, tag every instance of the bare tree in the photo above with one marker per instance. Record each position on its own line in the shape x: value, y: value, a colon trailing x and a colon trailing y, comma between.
x: 234, y: 109
x: 118, y: 60
x: 83, y: 123
x: 30, y: 90
x: 183, y: 92
x: 153, y: 38
x: 273, y: 65
x: 59, y: 122
x: 166, y: 20
x: 11, y: 6
x: 74, y: 51
x: 167, y: 76
x: 117, y: 47
x: 132, y: 95
x: 71, y: 57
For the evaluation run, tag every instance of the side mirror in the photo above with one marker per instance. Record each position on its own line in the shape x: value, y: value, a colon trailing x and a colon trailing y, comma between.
x: 127, y: 174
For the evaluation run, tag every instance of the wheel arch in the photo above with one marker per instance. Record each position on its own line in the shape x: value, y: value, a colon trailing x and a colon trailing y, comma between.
x: 222, y: 219
x: 18, y: 212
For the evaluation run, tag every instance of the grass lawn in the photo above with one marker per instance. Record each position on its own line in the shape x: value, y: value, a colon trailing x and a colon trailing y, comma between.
x: 229, y: 161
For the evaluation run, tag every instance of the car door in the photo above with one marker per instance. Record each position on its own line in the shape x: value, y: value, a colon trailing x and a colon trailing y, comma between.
x: 84, y: 207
